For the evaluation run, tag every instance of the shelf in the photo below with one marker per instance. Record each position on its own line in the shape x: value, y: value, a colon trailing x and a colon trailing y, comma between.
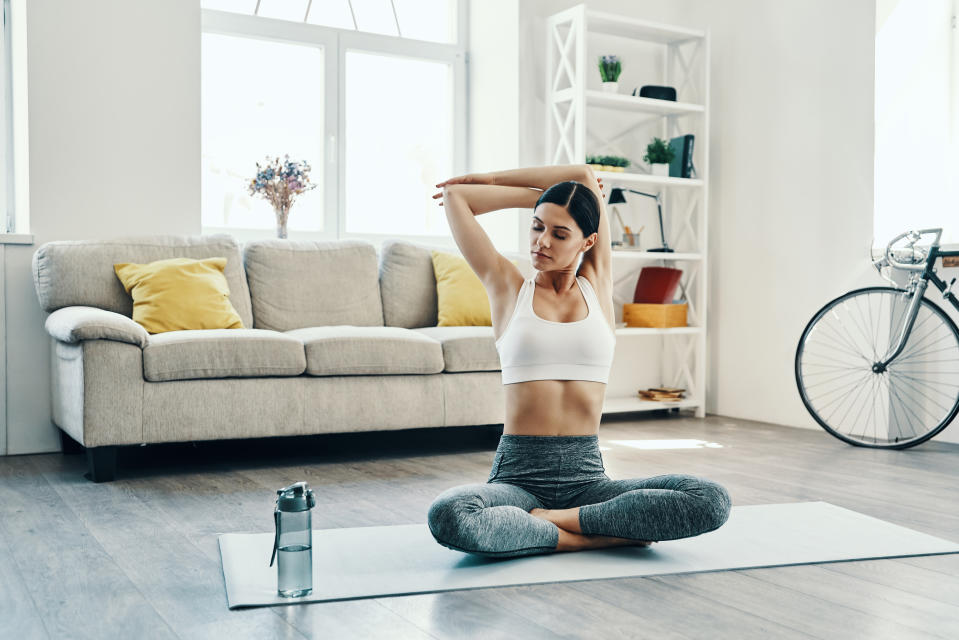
x: 654, y: 331
x: 622, y: 404
x: 574, y: 102
x: 626, y: 102
x: 645, y: 178
x: 616, y: 25
x: 655, y: 255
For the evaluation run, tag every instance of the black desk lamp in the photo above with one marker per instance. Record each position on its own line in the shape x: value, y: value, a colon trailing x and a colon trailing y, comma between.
x: 616, y: 197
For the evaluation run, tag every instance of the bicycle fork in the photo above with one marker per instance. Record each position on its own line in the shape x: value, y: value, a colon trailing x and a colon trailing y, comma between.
x: 911, y: 314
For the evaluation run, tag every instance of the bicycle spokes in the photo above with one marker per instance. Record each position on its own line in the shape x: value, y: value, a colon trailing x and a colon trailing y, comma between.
x: 847, y: 389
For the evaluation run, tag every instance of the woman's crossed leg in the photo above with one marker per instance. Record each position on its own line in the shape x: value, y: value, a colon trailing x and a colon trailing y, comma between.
x: 505, y: 520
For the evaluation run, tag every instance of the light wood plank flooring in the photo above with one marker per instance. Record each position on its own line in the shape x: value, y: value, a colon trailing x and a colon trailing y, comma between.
x: 138, y: 557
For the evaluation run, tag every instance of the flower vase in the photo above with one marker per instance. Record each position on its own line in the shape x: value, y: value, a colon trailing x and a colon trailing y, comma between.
x: 660, y: 169
x: 281, y: 218
x: 611, y: 87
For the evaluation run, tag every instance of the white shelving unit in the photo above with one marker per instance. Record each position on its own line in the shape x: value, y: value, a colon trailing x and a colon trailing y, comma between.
x: 571, y: 109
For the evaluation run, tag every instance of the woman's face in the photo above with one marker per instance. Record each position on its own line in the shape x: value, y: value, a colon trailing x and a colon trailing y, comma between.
x: 553, y: 232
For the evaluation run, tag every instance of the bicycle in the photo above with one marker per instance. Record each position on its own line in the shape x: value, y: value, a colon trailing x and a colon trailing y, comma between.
x: 914, y: 385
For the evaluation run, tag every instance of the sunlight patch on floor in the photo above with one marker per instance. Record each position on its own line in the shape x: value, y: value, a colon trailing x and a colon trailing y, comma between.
x: 665, y: 444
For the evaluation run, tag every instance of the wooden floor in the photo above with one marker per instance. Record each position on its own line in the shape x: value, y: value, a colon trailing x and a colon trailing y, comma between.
x: 138, y: 557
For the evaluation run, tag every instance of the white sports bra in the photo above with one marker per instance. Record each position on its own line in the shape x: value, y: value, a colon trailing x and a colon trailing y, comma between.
x: 532, y: 348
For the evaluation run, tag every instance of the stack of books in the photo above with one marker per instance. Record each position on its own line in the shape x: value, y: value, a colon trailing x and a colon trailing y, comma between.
x: 661, y: 394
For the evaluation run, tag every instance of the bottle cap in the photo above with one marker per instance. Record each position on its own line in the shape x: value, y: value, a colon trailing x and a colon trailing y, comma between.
x: 296, y: 497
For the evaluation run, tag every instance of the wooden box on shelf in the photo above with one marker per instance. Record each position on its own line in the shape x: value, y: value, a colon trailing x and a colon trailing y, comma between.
x: 654, y: 315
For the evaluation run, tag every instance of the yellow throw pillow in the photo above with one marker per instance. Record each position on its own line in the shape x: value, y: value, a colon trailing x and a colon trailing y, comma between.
x: 179, y: 293
x: 461, y: 298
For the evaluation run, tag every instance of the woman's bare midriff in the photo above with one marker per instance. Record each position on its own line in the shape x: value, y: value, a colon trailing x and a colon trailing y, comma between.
x: 554, y: 407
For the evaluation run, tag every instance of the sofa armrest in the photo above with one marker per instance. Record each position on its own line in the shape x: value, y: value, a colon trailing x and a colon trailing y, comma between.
x: 76, y: 323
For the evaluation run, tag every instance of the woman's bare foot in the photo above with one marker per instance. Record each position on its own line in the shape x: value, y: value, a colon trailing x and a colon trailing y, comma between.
x: 573, y: 541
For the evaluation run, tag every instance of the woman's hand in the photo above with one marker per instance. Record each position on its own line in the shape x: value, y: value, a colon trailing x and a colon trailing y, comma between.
x: 469, y: 178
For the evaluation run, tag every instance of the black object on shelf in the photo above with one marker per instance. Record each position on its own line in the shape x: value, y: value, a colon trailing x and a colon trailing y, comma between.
x: 657, y: 92
x: 682, y: 164
x: 616, y: 197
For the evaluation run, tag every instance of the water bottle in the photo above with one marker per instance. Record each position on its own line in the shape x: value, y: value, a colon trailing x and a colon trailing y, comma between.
x: 294, y: 540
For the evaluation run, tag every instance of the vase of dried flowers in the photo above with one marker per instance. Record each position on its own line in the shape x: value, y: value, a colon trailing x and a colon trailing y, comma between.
x: 279, y: 183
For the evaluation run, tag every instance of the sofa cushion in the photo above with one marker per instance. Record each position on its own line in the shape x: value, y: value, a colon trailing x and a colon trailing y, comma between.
x: 80, y: 272
x: 348, y: 350
x: 178, y: 294
x: 297, y: 284
x: 407, y: 285
x: 466, y: 348
x: 221, y: 353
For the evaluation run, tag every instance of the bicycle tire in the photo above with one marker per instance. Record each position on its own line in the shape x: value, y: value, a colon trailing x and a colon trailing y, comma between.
x: 807, y: 402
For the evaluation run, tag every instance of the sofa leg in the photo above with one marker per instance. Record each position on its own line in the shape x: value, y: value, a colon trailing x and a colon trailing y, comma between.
x: 68, y: 445
x: 101, y: 464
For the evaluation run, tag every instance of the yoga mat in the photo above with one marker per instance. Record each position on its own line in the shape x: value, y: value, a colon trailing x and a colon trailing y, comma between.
x: 371, y: 562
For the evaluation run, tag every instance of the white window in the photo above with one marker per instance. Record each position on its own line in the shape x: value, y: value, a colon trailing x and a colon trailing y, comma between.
x: 369, y: 93
x: 917, y: 117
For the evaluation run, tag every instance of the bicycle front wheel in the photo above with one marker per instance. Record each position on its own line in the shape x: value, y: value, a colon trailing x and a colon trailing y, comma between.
x: 915, y: 397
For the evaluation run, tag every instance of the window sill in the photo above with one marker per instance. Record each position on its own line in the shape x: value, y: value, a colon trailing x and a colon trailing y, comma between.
x: 16, y: 238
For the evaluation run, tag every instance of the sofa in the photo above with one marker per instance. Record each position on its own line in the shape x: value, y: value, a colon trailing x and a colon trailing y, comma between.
x: 337, y: 338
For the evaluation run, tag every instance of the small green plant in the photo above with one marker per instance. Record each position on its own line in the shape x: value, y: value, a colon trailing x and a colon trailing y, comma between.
x: 658, y: 151
x: 612, y: 161
x: 609, y: 68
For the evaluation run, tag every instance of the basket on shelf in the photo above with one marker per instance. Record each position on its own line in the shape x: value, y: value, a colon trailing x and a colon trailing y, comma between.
x: 642, y: 314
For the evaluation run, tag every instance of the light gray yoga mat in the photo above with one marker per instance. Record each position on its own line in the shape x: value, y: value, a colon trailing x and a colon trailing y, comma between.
x: 370, y: 562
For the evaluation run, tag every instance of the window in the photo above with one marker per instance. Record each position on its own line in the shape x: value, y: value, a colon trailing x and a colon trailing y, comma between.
x: 370, y: 93
x: 257, y: 104
x: 399, y: 135
x: 917, y: 117
x: 433, y: 20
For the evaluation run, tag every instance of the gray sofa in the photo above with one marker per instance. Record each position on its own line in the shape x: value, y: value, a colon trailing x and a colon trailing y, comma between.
x: 339, y: 339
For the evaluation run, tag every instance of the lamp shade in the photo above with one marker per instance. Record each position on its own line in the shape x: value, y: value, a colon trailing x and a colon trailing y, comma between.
x: 616, y: 196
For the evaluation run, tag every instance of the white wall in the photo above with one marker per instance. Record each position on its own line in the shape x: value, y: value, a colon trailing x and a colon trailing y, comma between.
x: 114, y: 149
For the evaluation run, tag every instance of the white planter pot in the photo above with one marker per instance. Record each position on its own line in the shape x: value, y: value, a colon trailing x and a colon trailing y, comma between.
x: 611, y: 87
x: 660, y: 169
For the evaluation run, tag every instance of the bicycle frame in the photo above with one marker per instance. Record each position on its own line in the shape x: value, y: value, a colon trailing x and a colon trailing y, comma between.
x: 928, y: 274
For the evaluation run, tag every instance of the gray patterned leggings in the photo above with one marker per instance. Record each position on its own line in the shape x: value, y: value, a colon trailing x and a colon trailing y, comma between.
x: 561, y: 472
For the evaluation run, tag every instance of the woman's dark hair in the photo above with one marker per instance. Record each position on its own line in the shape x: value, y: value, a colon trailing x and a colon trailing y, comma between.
x: 579, y: 200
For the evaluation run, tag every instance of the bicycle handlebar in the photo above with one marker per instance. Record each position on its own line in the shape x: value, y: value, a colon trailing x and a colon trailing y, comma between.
x: 914, y: 236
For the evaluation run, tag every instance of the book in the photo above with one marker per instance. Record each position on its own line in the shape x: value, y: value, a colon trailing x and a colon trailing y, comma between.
x: 661, y: 394
x: 682, y: 164
x: 656, y: 285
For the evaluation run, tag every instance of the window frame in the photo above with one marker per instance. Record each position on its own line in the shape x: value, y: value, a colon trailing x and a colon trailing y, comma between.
x: 336, y: 42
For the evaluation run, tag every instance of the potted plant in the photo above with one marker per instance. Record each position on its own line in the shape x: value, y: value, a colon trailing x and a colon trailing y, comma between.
x: 279, y: 183
x: 659, y: 154
x: 608, y: 163
x: 609, y: 70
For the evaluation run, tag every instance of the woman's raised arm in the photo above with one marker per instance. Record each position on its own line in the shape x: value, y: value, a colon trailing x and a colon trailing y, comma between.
x: 483, y: 198
x: 540, y: 178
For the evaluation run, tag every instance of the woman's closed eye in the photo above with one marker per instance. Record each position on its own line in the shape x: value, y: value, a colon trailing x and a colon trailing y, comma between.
x: 556, y: 235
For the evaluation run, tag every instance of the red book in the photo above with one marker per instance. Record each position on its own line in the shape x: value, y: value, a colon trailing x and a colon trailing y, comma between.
x: 656, y: 285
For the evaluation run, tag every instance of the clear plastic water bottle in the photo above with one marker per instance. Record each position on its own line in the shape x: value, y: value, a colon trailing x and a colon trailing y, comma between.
x: 294, y: 540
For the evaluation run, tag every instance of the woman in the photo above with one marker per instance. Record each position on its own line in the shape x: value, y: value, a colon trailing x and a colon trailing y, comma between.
x: 555, y: 332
